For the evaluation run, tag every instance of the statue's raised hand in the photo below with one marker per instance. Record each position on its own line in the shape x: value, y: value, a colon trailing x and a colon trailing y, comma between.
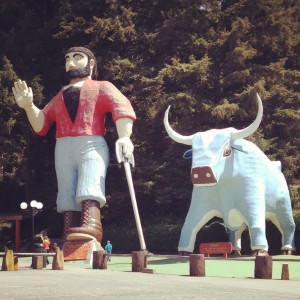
x: 23, y: 94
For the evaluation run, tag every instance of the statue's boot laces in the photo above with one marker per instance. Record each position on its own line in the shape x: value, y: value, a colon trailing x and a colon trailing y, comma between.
x: 71, y: 219
x: 90, y: 226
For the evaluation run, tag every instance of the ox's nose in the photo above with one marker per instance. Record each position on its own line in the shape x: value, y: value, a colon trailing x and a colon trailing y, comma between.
x: 203, y: 176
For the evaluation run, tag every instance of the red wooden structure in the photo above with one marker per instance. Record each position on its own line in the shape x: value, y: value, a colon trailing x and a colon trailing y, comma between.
x: 16, y: 219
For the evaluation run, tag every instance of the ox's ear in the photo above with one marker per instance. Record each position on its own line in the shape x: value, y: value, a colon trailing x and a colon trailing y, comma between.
x: 188, y: 154
x: 239, y: 148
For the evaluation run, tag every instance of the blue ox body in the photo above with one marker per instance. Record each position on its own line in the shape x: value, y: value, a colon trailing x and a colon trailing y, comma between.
x: 234, y: 180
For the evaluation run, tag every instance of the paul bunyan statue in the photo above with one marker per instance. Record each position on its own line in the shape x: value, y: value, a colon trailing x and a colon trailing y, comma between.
x: 81, y: 152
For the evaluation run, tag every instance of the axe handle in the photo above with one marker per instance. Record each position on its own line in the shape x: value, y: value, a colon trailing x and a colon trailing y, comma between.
x: 134, y: 205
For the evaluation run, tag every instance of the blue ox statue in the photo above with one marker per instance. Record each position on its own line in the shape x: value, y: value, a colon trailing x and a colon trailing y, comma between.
x: 234, y: 180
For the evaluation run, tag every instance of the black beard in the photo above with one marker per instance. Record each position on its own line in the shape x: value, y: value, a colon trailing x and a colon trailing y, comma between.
x: 77, y: 73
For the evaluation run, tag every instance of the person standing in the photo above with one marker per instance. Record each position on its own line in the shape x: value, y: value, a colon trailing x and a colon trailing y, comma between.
x: 55, y: 248
x: 81, y: 152
x: 46, y: 243
x: 39, y: 248
x: 108, y: 249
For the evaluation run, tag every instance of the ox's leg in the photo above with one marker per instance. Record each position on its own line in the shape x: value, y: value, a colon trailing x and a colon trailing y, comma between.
x: 282, y: 214
x: 284, y: 221
x: 200, y: 212
x: 258, y: 238
x: 256, y: 219
x: 235, y: 237
x: 288, y: 243
x: 253, y: 208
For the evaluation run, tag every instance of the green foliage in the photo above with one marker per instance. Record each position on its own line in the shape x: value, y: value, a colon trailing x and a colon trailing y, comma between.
x: 12, y: 141
x: 160, y: 234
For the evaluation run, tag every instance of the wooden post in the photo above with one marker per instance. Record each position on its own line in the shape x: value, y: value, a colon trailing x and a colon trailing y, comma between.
x: 17, y: 238
x: 8, y: 261
x: 263, y: 267
x: 285, y: 272
x: 104, y: 262
x: 37, y: 262
x: 138, y: 261
x: 145, y: 261
x: 58, y: 260
x: 16, y: 263
x: 96, y: 259
x: 100, y: 260
x: 197, y: 265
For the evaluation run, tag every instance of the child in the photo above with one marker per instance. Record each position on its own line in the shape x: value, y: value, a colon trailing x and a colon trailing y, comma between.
x: 108, y: 248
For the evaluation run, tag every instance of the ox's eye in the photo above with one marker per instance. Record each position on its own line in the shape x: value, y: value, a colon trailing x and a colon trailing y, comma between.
x: 226, y: 151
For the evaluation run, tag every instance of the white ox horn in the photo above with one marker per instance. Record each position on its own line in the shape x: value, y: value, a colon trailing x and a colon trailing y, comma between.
x: 187, y: 140
x: 239, y: 134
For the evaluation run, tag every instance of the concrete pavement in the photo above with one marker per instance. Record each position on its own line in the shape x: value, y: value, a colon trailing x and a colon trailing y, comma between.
x: 78, y: 281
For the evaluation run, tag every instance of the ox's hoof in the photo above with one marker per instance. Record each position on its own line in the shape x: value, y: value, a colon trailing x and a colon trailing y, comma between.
x: 184, y: 253
x: 236, y: 253
x: 259, y: 253
x: 262, y: 253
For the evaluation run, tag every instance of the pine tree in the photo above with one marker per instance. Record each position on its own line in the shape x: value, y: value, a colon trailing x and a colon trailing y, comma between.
x: 207, y: 59
x: 13, y: 143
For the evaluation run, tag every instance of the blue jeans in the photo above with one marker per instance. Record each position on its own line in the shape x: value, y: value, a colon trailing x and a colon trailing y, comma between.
x: 81, y: 165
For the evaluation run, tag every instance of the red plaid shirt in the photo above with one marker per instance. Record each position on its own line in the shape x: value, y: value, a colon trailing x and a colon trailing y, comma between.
x: 96, y: 99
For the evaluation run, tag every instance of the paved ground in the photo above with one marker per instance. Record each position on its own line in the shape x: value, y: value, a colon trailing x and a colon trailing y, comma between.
x: 80, y: 281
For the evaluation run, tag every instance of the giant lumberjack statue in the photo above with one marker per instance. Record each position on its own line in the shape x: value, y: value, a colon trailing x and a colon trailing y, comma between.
x: 81, y: 152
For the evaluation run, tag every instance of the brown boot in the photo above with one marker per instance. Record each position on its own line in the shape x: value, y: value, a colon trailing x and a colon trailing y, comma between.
x: 71, y: 219
x: 90, y: 225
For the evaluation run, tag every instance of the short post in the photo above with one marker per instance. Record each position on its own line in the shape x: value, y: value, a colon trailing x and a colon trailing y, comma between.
x: 263, y: 267
x: 58, y: 260
x: 8, y: 261
x: 197, y: 265
x: 17, y: 233
x: 37, y: 262
x: 138, y: 261
x: 16, y: 263
x: 99, y: 260
x: 285, y: 272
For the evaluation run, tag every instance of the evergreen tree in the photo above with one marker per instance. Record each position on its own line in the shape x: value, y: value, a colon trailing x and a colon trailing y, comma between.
x: 13, y: 143
x: 207, y: 59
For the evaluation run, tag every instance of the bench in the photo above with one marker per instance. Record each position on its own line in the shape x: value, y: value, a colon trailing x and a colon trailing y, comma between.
x: 224, y: 248
x: 10, y: 260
